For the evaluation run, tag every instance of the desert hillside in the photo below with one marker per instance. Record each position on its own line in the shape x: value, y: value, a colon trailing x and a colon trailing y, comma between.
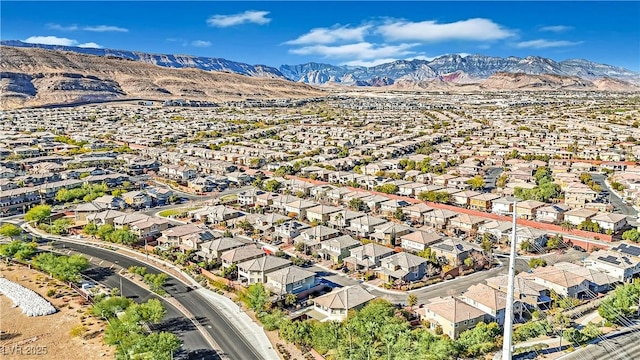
x: 31, y: 77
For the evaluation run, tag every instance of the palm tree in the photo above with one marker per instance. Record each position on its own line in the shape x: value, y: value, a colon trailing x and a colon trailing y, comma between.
x: 567, y: 226
x: 339, y: 219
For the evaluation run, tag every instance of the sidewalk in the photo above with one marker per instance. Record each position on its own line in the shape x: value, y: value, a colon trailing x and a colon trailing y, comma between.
x: 252, y: 333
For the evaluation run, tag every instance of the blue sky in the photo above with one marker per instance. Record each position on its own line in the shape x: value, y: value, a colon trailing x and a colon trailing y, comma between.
x: 353, y: 33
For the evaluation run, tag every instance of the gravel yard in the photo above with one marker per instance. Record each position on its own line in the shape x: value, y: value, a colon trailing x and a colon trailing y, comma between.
x: 49, y: 336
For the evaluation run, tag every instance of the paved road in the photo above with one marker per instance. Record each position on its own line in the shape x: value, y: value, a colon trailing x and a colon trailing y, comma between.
x: 491, y: 176
x: 194, y: 345
x: 623, y: 347
x: 225, y: 334
x: 620, y: 206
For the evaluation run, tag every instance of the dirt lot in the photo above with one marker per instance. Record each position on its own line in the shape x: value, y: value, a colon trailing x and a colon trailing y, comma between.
x: 48, y: 337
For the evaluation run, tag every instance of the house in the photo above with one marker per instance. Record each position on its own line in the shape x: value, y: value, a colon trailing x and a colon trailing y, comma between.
x: 337, y: 248
x: 160, y: 196
x: 363, y: 226
x: 618, y: 265
x: 298, y: 208
x: 82, y: 210
x: 503, y: 205
x: 578, y: 195
x: 419, y: 240
x: 192, y: 242
x: 599, y: 281
x: 388, y: 233
x: 312, y: 236
x: 290, y: 280
x: 537, y: 238
x: 267, y: 222
x: 104, y: 217
x: 289, y: 229
x: 578, y: 216
x: 553, y: 214
x: 172, y: 237
x: 367, y: 256
x: 527, y: 209
x: 220, y: 213
x: 255, y: 270
x: 442, y: 180
x: 610, y: 221
x: 491, y: 301
x: 127, y: 219
x: 439, y: 218
x: 562, y: 282
x: 391, y: 206
x: 417, y: 211
x: 249, y: 197
x: 241, y: 254
x: 466, y: 223
x: 213, y: 249
x: 321, y: 213
x: 149, y: 228
x: 451, y: 251
x: 483, y: 202
x: 342, y: 218
x: 499, y: 230
x: 137, y: 199
x: 402, y: 266
x: 451, y: 315
x: 463, y: 198
x: 336, y: 305
x: 525, y: 290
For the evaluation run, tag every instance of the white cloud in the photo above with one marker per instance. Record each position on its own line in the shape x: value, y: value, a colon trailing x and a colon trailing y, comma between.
x: 90, y: 45
x: 330, y: 35
x: 200, y: 43
x: 361, y: 50
x: 54, y: 40
x: 50, y: 40
x: 62, y: 27
x: 367, y: 63
x: 249, y: 16
x: 543, y: 44
x: 105, y: 28
x: 477, y: 29
x: 556, y: 28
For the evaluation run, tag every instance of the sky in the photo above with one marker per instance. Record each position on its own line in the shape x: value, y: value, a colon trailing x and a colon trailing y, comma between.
x: 342, y: 33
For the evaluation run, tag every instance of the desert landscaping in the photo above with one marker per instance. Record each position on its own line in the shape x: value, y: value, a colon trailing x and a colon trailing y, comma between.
x: 67, y: 334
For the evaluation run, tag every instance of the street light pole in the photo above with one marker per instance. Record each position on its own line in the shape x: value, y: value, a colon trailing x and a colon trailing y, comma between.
x: 508, y: 321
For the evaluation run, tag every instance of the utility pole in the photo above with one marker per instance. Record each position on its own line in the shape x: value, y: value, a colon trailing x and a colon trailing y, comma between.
x: 508, y: 319
x: 145, y: 248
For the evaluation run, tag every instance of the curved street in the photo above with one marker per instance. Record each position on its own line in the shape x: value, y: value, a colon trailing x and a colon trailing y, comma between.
x: 231, y: 341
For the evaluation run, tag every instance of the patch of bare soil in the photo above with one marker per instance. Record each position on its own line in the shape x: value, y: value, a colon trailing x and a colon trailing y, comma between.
x: 49, y: 337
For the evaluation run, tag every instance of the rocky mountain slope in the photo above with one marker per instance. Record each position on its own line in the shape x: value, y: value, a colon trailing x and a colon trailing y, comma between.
x: 32, y: 76
x: 472, y: 68
x: 165, y: 60
x: 448, y: 68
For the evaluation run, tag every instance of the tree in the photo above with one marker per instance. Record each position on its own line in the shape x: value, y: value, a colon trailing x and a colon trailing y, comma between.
x: 62, y: 267
x: 230, y: 272
x: 502, y: 180
x: 104, y: 231
x: 61, y: 226
x: 10, y: 230
x: 38, y: 213
x: 435, y: 196
x: 156, y: 282
x: 290, y: 299
x: 477, y: 182
x: 526, y: 246
x: 536, y: 262
x: 90, y: 229
x: 387, y: 188
x: 567, y: 226
x: 109, y: 307
x: 272, y: 185
x: 412, y: 300
x: 468, y: 262
x: 398, y: 214
x: 18, y: 250
x: 357, y: 204
x: 631, y: 235
x: 256, y: 297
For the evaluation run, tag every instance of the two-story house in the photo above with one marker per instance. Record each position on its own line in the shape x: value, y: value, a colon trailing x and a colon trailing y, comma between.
x: 402, y: 266
x: 337, y: 249
x: 367, y: 256
x: 256, y: 270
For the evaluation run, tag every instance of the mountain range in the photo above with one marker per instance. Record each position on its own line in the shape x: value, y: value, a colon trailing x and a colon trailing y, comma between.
x: 447, y: 68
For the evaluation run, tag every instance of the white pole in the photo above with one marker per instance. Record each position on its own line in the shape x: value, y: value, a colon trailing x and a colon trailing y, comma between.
x: 508, y: 318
